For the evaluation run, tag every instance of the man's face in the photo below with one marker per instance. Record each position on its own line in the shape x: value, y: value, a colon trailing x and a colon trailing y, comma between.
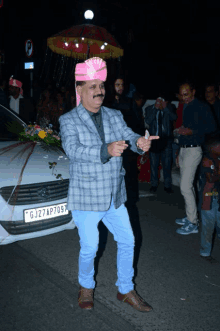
x: 14, y: 91
x: 210, y: 94
x: 119, y: 86
x: 158, y: 103
x: 92, y: 94
x: 186, y: 93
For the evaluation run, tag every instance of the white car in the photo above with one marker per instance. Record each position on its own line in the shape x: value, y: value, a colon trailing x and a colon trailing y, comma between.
x: 38, y: 208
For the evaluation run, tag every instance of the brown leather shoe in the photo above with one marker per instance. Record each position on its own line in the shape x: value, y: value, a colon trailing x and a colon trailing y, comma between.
x: 85, y: 298
x: 133, y: 299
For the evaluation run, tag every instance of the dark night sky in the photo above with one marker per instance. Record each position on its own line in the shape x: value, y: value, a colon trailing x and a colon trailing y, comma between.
x: 169, y: 42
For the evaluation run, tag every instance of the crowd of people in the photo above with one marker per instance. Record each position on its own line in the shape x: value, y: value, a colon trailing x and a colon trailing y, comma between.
x: 95, y: 139
x: 183, y: 130
x: 192, y: 130
x: 103, y: 145
x: 99, y: 192
x: 198, y: 152
x: 47, y: 103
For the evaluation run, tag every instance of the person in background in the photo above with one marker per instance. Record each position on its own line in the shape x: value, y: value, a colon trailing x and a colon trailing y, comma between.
x: 15, y: 94
x: 58, y: 108
x: 119, y: 98
x: 159, y: 118
x: 132, y: 90
x: 130, y: 109
x: 209, y: 198
x: 177, y: 124
x: 211, y: 96
x: 125, y: 105
x: 197, y: 122
x: 138, y: 101
x: 44, y: 108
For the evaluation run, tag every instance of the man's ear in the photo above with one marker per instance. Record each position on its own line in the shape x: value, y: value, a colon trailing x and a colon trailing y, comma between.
x: 194, y: 91
x: 79, y: 90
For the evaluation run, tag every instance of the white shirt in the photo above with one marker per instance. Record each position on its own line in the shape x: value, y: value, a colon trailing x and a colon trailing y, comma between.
x: 14, y: 103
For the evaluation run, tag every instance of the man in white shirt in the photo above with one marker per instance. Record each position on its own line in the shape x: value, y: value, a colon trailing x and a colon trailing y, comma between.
x: 16, y: 93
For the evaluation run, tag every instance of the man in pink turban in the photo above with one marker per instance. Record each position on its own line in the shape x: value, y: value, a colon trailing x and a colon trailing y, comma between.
x: 94, y: 138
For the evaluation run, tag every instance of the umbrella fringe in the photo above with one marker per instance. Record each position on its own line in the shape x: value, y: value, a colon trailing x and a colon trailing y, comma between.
x: 66, y: 59
x: 45, y: 58
x: 56, y: 67
x: 51, y: 55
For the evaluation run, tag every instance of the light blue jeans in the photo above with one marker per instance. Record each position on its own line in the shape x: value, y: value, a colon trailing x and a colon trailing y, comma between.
x: 210, y: 220
x: 118, y: 223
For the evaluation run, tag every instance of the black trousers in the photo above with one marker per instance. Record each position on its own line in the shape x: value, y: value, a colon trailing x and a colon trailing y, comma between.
x: 165, y: 154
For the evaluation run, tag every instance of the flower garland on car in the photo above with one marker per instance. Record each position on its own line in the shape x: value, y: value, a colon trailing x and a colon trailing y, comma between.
x: 49, y: 139
x: 29, y: 137
x: 34, y: 134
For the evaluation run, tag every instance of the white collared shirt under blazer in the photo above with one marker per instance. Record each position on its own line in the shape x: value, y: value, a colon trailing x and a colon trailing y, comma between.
x: 92, y: 183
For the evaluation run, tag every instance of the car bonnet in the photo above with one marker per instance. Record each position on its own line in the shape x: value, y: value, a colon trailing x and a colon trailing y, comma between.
x: 37, y: 168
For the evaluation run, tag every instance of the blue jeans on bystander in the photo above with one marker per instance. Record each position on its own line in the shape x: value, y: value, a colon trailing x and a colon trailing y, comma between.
x: 210, y: 220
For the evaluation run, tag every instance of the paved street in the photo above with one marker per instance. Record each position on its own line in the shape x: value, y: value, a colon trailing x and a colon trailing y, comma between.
x: 39, y: 279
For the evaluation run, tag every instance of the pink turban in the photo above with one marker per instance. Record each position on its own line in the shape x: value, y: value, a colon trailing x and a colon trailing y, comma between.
x: 16, y: 83
x: 94, y: 68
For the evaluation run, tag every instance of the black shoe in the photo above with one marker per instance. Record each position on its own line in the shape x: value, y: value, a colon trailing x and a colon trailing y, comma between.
x: 168, y: 190
x: 210, y: 259
x: 153, y: 189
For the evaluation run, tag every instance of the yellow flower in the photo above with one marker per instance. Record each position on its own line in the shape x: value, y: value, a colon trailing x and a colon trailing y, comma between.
x: 42, y: 134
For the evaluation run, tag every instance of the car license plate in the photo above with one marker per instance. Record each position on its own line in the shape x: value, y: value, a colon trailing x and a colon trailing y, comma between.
x: 42, y: 213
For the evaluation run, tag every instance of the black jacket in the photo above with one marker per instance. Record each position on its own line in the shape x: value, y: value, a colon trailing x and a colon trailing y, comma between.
x: 197, y: 116
x: 168, y: 116
x: 125, y: 105
x: 215, y: 108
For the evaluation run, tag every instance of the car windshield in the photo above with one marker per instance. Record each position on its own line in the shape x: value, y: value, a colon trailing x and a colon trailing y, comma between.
x: 8, y: 116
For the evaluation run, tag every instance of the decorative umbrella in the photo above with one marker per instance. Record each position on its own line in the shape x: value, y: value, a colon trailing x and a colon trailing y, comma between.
x: 75, y: 44
x: 85, y: 41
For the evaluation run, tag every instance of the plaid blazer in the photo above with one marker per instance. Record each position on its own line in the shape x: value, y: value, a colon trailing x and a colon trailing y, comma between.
x: 92, y: 183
